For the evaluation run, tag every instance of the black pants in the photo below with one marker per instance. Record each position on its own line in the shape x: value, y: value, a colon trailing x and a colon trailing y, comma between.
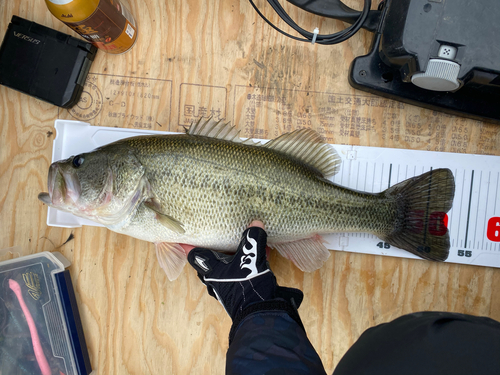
x: 425, y: 343
x: 428, y: 343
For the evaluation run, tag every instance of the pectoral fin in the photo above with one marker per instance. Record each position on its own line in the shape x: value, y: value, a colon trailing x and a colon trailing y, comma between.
x: 166, y: 220
x: 172, y: 258
x: 308, y: 254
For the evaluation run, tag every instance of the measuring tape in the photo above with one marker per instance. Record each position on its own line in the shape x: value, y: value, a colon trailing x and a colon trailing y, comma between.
x: 473, y: 221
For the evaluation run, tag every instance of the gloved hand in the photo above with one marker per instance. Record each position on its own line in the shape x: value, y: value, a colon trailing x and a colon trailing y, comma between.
x: 243, y: 282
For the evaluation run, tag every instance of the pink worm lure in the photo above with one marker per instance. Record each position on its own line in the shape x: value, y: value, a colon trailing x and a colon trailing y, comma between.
x: 37, y: 347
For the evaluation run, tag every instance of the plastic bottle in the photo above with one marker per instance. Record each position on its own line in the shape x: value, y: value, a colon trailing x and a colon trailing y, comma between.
x: 105, y: 23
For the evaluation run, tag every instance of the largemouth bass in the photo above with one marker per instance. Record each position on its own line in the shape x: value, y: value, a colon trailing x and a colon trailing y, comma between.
x: 204, y: 187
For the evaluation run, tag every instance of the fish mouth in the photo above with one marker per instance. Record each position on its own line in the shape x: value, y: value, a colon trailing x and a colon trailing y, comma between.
x: 64, y: 188
x: 45, y: 198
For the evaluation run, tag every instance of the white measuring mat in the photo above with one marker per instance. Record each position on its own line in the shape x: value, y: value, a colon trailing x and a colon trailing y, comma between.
x: 473, y: 221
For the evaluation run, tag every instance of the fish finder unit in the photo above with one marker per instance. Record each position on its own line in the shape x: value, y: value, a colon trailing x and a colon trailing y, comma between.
x: 438, y: 54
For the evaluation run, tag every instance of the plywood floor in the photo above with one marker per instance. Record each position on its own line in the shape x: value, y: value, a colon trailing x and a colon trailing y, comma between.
x: 204, y: 57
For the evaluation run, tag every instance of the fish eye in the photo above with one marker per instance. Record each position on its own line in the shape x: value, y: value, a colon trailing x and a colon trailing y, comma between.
x: 77, y: 161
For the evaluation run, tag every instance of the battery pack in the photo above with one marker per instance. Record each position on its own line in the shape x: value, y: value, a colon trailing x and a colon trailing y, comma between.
x: 44, y: 63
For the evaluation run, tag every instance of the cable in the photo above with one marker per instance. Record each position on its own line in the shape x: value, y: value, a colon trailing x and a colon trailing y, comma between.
x: 308, y: 36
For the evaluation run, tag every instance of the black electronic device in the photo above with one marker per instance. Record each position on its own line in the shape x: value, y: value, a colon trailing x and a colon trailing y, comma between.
x: 44, y: 63
x: 438, y: 54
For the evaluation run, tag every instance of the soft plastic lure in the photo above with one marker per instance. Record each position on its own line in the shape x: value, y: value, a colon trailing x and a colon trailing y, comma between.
x: 37, y: 347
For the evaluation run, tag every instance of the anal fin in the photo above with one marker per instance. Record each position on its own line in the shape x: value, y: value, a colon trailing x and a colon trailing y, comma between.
x: 172, y: 258
x: 308, y: 254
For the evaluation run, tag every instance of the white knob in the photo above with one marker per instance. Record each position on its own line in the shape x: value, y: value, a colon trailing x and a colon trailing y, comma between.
x: 440, y: 75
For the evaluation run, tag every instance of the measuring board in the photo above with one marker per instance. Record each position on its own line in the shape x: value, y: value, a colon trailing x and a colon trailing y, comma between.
x: 473, y: 221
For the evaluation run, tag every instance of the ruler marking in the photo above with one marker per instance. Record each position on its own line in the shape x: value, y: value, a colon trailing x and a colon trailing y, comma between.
x: 496, y: 195
x: 495, y: 206
x: 382, y: 176
x: 468, y: 213
x: 406, y: 172
x: 486, y: 207
x: 461, y: 205
x: 477, y: 205
x: 390, y: 173
x: 451, y: 215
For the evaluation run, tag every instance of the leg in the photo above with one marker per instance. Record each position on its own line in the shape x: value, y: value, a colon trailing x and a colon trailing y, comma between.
x: 431, y: 343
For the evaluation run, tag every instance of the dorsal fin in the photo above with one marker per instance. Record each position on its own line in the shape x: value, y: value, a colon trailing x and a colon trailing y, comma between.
x: 307, y: 146
x: 216, y: 129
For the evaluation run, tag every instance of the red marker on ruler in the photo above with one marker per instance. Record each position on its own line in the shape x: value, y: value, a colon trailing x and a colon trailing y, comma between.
x: 37, y: 347
x: 493, y: 230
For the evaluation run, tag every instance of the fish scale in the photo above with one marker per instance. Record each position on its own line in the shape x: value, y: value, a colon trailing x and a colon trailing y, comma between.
x: 257, y: 182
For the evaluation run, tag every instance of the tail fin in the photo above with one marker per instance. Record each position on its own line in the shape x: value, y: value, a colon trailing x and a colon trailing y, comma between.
x: 422, y: 203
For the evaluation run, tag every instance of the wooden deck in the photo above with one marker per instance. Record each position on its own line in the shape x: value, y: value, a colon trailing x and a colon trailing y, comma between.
x: 219, y: 58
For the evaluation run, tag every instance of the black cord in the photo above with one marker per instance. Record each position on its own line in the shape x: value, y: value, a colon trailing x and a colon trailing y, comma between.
x: 308, y: 36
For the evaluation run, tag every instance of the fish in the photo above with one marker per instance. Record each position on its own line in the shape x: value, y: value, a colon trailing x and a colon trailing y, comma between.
x: 205, y: 186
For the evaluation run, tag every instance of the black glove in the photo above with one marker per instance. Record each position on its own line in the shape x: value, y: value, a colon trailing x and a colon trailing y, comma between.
x: 243, y: 282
